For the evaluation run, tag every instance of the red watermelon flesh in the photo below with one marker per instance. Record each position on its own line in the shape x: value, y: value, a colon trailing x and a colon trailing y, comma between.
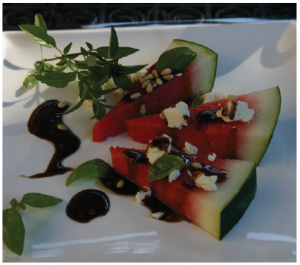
x: 198, y: 76
x: 234, y: 140
x: 113, y: 124
x: 214, y: 211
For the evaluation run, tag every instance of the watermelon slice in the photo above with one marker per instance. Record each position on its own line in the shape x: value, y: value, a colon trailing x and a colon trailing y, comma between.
x: 198, y: 76
x: 234, y: 140
x: 214, y: 211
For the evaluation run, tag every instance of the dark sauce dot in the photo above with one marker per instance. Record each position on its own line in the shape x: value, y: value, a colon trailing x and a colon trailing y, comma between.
x: 208, y: 170
x: 43, y: 124
x: 207, y: 116
x: 162, y: 143
x: 112, y: 180
x: 136, y: 156
x: 155, y: 205
x: 234, y: 129
x: 87, y: 205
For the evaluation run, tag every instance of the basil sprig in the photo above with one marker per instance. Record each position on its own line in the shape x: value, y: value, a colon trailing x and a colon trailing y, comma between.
x: 177, y: 58
x: 13, y: 226
x: 99, y: 65
x: 95, y: 168
x: 163, y: 166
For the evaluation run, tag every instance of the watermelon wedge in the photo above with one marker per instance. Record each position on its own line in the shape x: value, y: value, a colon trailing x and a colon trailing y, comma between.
x: 198, y: 76
x: 214, y: 211
x: 234, y: 140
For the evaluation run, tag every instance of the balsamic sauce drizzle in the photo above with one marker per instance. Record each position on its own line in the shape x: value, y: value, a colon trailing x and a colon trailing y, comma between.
x: 43, y: 124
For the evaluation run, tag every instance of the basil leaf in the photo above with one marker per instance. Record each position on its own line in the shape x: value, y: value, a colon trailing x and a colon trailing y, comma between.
x: 90, y: 46
x: 29, y: 81
x: 96, y: 168
x: 123, y: 82
x: 197, y: 100
x: 62, y: 61
x: 67, y: 48
x: 39, y: 35
x: 90, y: 60
x: 99, y: 76
x: 80, y: 102
x: 99, y: 110
x: 56, y: 79
x: 81, y: 64
x: 71, y: 65
x: 39, y: 21
x: 13, y: 203
x: 83, y: 51
x: 126, y: 70
x: 17, y: 205
x: 72, y: 56
x: 113, y: 43
x: 122, y: 52
x: 13, y: 231
x: 163, y: 166
x: 177, y: 58
x: 39, y: 200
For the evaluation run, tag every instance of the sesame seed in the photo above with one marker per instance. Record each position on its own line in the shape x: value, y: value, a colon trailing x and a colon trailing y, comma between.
x: 154, y: 73
x: 196, y: 165
x: 62, y: 127
x: 143, y: 109
x: 135, y: 95
x: 149, y: 88
x: 62, y: 104
x: 158, y: 81
x: 145, y: 83
x: 178, y: 74
x: 166, y: 71
x: 120, y: 184
x: 168, y: 77
x: 147, y: 77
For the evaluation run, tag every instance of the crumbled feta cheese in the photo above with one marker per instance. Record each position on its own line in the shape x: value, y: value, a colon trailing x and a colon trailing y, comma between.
x: 142, y: 194
x: 157, y: 215
x: 212, y: 157
x: 210, y: 97
x: 139, y: 74
x: 174, y: 175
x: 190, y: 149
x: 177, y: 116
x: 206, y: 182
x: 235, y: 111
x: 154, y: 152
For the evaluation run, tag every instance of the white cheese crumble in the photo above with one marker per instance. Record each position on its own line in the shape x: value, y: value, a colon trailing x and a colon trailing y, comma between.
x: 141, y: 195
x: 177, y: 116
x: 206, y: 182
x: 157, y: 215
x: 240, y: 112
x: 190, y: 149
x: 210, y: 97
x: 154, y: 153
x: 212, y: 157
x: 174, y: 175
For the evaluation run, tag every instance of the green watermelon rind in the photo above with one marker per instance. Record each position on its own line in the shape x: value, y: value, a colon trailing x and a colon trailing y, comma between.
x: 262, y: 133
x: 204, y: 65
x: 236, y: 208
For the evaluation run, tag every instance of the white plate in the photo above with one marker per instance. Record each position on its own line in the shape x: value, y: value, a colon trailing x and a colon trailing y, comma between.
x: 251, y: 57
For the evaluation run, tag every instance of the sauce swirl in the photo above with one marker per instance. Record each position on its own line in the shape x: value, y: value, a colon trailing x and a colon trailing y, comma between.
x: 43, y: 123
